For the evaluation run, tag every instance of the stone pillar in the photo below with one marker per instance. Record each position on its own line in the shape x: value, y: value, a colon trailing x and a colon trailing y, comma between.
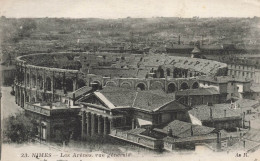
x: 25, y: 96
x: 43, y: 82
x: 36, y: 99
x: 105, y: 126
x: 88, y: 123
x: 100, y: 125
x: 74, y: 85
x: 36, y: 80
x: 83, y: 125
x: 25, y: 83
x: 133, y: 123
x: 30, y: 78
x: 93, y: 124
x: 16, y: 93
x: 63, y: 82
x: 19, y: 97
x: 52, y: 86
x: 48, y: 131
x: 111, y: 125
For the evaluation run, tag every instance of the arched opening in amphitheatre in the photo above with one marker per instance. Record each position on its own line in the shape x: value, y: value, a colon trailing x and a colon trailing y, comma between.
x: 81, y: 83
x: 184, y: 86
x: 168, y: 72
x: 156, y: 85
x: 28, y: 79
x: 33, y: 100
x: 58, y: 83
x: 40, y: 82
x: 27, y: 99
x: 48, y: 84
x: 160, y: 72
x: 69, y: 85
x: 195, y: 85
x: 111, y: 84
x: 126, y: 85
x: 33, y: 81
x: 171, y: 88
x: 141, y: 86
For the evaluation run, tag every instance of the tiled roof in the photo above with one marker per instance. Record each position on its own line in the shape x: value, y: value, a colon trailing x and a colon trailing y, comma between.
x: 182, y: 129
x: 249, y: 146
x: 208, y: 136
x: 147, y: 100
x: 79, y: 92
x: 253, y: 134
x: 119, y: 96
x: 255, y: 87
x: 174, y: 46
x: 136, y: 131
x: 199, y: 65
x: 221, y: 79
x: 244, y: 103
x: 198, y: 91
x: 174, y: 105
x: 195, y: 50
x: 202, y: 112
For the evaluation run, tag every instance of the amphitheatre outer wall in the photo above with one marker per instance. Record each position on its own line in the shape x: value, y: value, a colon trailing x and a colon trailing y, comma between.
x: 35, y: 83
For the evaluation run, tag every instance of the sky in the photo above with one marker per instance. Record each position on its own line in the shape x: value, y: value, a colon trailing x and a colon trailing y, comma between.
x: 129, y: 8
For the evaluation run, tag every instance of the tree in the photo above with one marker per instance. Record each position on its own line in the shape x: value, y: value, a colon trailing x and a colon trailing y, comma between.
x: 18, y: 128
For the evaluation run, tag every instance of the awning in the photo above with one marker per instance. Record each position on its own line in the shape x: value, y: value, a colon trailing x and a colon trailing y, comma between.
x: 194, y: 120
x: 142, y: 122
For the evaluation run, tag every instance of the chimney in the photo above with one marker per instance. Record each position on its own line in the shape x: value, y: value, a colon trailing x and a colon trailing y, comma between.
x: 201, y: 42
x: 244, y: 143
x: 243, y: 122
x: 210, y: 104
x: 74, y: 98
x: 94, y: 86
x: 169, y: 133
x: 191, y: 131
x: 210, y: 114
x: 225, y: 113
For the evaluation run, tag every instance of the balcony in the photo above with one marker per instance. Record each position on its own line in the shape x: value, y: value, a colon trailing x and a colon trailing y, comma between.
x: 132, y: 136
x: 50, y: 109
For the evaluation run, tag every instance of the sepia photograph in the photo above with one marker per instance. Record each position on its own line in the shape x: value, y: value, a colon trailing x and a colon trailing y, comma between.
x: 99, y: 80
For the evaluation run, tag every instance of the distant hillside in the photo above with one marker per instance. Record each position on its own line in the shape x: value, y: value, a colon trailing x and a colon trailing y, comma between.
x: 24, y: 36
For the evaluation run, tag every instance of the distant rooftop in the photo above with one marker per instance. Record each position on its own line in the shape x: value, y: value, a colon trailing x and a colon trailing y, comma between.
x: 79, y: 92
x: 222, y: 79
x: 200, y: 65
x: 202, y: 112
x: 183, y: 129
x: 255, y: 87
x: 198, y: 91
